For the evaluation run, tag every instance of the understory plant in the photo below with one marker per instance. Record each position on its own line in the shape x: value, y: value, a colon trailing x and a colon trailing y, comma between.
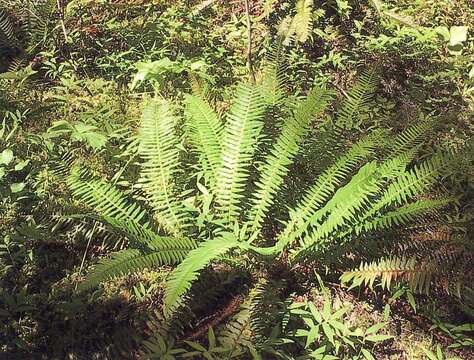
x: 241, y: 191
x: 213, y: 184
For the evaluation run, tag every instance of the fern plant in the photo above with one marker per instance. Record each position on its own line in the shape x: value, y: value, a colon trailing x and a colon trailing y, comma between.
x: 24, y: 26
x: 218, y: 201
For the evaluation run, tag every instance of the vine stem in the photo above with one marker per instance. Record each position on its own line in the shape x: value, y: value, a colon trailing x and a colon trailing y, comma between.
x: 249, y: 45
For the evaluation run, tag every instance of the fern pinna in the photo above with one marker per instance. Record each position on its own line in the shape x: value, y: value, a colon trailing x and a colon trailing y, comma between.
x: 221, y: 204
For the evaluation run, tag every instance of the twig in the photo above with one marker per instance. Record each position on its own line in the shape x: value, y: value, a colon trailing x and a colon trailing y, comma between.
x: 85, y: 251
x: 249, y: 45
x: 202, y: 6
x: 61, y: 18
x: 215, y: 319
x: 346, y: 95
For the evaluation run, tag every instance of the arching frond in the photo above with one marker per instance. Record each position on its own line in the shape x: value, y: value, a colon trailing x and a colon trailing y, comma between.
x: 359, y: 97
x: 205, y: 133
x: 104, y: 198
x: 410, y: 183
x: 237, y: 332
x: 301, y: 25
x: 325, y: 185
x: 343, y: 206
x: 7, y: 33
x: 159, y: 150
x: 132, y: 260
x: 417, y: 275
x: 144, y: 238
x: 274, y: 76
x: 281, y: 155
x: 242, y: 130
x: 188, y: 271
x: 410, y: 138
x: 403, y: 215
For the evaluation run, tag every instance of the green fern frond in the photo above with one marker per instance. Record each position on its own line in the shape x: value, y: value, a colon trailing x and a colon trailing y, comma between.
x: 343, y: 206
x: 410, y: 183
x: 417, y: 275
x: 28, y: 22
x: 132, y: 260
x: 276, y: 164
x: 159, y: 150
x: 325, y: 185
x: 105, y: 199
x: 403, y: 215
x: 144, y: 238
x: 274, y: 76
x: 359, y: 97
x: 236, y: 333
x: 411, y: 138
x: 188, y: 271
x: 17, y: 64
x: 205, y: 133
x: 353, y: 204
x: 242, y: 130
x: 7, y: 32
x: 301, y: 25
x: 37, y: 24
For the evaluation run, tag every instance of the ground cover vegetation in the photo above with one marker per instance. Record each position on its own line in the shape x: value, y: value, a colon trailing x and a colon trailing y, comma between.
x: 236, y: 179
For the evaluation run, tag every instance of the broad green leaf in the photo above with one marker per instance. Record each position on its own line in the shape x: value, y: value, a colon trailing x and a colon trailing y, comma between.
x: 326, y: 310
x: 2, y: 173
x: 397, y: 294
x: 339, y: 313
x: 301, y: 333
x: 196, y: 346
x: 443, y: 31
x: 211, y: 338
x: 319, y: 350
x: 439, y: 353
x: 314, y: 312
x: 312, y: 335
x: 197, y: 65
x: 21, y: 165
x: 458, y: 34
x: 299, y: 312
x: 339, y: 326
x: 95, y: 140
x: 471, y: 72
x: 386, y: 312
x: 429, y: 354
x: 367, y: 354
x: 411, y: 300
x: 329, y: 332
x: 17, y: 187
x: 6, y: 156
x: 378, y: 338
x: 464, y: 327
x: 374, y: 328
x: 60, y: 127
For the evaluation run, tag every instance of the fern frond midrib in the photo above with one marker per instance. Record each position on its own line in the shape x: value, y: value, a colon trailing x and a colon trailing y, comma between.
x: 235, y: 169
x: 163, y: 178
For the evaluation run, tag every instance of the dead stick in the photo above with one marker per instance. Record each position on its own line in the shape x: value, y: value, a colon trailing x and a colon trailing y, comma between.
x: 61, y: 18
x: 249, y: 45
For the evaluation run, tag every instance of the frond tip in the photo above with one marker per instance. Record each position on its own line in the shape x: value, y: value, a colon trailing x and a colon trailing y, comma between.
x: 104, y: 198
x: 159, y: 251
